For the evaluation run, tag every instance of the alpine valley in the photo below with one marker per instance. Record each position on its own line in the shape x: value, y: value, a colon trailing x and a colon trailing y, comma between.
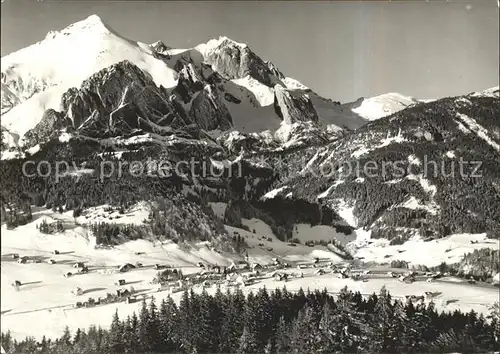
x: 288, y: 179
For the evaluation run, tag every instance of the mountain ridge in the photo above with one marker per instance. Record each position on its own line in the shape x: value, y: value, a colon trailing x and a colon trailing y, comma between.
x: 27, y: 94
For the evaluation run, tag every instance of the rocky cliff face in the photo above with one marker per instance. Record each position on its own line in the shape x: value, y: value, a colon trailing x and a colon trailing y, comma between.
x: 119, y: 100
x: 293, y: 107
x: 209, y: 111
x: 50, y: 126
x: 190, y: 81
x: 235, y: 61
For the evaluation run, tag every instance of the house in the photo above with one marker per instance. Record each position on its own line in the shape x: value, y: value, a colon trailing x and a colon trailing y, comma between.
x: 51, y: 261
x: 123, y: 293
x: 83, y: 270
x: 77, y: 291
x: 126, y: 267
x: 216, y: 269
x: 256, y: 266
x: 429, y: 295
x: 15, y: 256
x: 79, y: 265
x: 23, y: 260
x: 242, y: 265
x: 56, y: 252
x: 280, y: 277
x: 120, y: 282
x: 68, y: 274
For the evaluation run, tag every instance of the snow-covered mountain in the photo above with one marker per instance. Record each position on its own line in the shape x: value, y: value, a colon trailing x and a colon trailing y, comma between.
x: 381, y: 106
x: 221, y: 84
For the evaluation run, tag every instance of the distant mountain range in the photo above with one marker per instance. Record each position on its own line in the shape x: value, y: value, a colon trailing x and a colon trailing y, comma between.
x: 87, y: 72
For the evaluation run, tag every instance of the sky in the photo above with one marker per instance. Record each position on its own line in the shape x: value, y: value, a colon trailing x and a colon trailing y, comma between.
x: 342, y: 50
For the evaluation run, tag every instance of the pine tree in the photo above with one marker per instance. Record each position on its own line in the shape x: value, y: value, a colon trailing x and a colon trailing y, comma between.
x: 116, y: 335
x: 282, y: 337
x: 232, y: 328
x: 247, y: 343
x: 168, y: 326
x: 349, y: 326
x: 326, y: 326
x: 132, y: 334
x: 381, y: 322
x: 304, y: 334
x: 153, y: 327
x: 206, y: 331
x: 142, y: 330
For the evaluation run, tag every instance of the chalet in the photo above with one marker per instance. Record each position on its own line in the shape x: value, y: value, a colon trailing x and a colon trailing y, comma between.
x: 51, y: 261
x: 83, y: 270
x: 77, y: 292
x: 280, y: 277
x: 256, y: 266
x: 56, y: 252
x: 120, y: 282
x: 126, y: 267
x: 79, y: 265
x: 15, y: 256
x: 414, y: 298
x: 23, y: 260
x: 406, y: 279
x: 123, y: 293
x: 242, y: 265
x: 429, y: 295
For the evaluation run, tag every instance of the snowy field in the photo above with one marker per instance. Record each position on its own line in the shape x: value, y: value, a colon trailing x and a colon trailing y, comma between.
x: 44, y: 303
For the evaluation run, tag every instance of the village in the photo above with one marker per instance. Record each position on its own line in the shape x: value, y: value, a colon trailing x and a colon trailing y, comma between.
x: 238, y: 274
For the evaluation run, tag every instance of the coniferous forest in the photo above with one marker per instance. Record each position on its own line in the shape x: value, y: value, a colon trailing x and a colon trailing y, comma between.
x: 280, y: 322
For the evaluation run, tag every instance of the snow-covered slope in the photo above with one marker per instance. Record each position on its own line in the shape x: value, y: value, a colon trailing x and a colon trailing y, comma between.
x: 34, y: 78
x: 380, y: 106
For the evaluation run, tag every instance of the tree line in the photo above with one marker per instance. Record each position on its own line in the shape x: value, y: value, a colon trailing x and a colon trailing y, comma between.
x: 279, y: 322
